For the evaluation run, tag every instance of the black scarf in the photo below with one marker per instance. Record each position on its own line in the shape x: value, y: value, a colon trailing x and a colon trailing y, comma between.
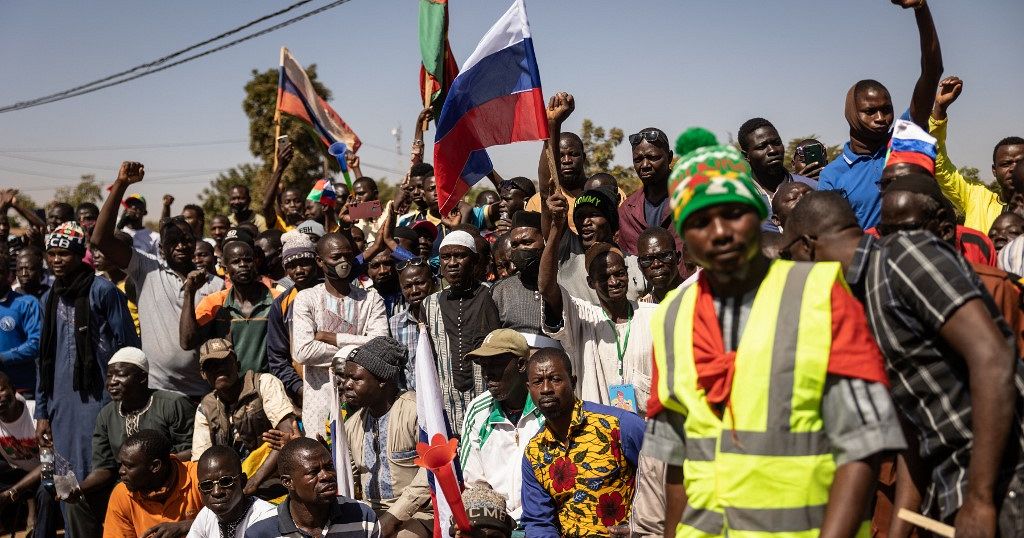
x: 74, y: 287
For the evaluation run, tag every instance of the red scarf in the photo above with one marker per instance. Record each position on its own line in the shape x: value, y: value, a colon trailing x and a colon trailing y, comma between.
x: 715, y: 366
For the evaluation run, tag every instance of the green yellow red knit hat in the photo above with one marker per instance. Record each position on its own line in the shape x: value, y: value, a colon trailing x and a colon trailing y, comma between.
x: 710, y: 176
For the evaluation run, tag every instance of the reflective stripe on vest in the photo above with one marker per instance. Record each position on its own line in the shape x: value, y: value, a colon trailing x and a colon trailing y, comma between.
x: 766, y: 466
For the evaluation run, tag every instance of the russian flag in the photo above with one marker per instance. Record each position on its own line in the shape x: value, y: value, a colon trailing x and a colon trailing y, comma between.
x: 431, y: 419
x: 495, y: 100
x: 297, y: 97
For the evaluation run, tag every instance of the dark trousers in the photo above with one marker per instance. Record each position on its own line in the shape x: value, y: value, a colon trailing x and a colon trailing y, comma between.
x: 84, y: 519
x: 48, y: 516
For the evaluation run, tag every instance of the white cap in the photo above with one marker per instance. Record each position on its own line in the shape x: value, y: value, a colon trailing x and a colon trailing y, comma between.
x: 130, y: 355
x: 460, y: 238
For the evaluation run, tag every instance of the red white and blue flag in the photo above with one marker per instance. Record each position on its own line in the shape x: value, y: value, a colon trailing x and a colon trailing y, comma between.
x: 297, y: 98
x: 432, y: 420
x: 495, y: 100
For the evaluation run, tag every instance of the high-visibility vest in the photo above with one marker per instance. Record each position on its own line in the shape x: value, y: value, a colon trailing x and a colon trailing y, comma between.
x: 765, y: 467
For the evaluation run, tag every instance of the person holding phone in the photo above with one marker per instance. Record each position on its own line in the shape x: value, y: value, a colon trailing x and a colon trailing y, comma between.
x: 809, y: 157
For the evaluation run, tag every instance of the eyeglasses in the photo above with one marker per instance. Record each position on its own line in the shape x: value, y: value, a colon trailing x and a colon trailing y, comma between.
x: 418, y: 261
x: 667, y: 257
x: 225, y: 482
x: 650, y: 135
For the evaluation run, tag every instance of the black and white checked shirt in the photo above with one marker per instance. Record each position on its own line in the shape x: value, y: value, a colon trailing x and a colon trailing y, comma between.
x: 911, y: 283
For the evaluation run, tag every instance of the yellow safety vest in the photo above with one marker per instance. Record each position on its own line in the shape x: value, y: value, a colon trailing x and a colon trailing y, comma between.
x: 764, y: 468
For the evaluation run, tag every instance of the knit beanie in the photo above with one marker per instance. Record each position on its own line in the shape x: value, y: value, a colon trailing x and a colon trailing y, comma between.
x: 605, y: 199
x: 693, y: 138
x: 382, y: 356
x: 711, y: 176
x: 68, y: 235
x: 912, y: 145
x: 296, y: 245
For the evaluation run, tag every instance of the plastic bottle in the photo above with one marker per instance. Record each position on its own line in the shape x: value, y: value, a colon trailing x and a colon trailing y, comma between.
x: 46, y: 463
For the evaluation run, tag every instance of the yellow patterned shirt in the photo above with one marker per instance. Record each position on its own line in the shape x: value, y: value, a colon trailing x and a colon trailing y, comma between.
x: 582, y: 487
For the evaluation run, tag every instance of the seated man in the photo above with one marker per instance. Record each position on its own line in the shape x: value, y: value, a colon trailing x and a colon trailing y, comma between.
x: 313, y: 507
x: 135, y: 407
x: 228, y: 510
x: 158, y: 492
x: 20, y: 476
x: 578, y: 471
x: 394, y: 487
x: 501, y: 421
x: 238, y: 412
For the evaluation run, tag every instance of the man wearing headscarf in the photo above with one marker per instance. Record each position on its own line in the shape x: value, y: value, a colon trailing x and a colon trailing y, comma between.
x: 382, y: 435
x: 85, y: 321
x: 869, y: 112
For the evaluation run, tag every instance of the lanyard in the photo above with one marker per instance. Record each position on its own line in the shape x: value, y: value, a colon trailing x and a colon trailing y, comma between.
x: 620, y: 347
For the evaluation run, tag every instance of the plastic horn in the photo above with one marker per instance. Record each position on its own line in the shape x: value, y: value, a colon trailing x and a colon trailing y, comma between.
x: 338, y: 150
x: 437, y: 458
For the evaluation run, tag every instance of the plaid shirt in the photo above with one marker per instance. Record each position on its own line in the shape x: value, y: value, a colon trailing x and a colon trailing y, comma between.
x: 911, y: 284
x: 405, y: 330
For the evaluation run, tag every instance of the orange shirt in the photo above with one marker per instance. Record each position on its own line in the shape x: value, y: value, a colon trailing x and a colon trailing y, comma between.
x: 130, y: 514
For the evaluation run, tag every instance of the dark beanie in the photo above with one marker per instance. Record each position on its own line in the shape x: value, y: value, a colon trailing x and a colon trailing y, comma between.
x: 605, y: 199
x: 382, y: 356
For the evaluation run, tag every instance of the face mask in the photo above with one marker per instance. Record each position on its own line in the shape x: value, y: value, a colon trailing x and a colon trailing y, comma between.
x: 340, y: 271
x: 526, y: 260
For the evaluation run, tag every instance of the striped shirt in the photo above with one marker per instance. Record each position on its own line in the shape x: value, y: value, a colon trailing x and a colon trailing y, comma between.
x: 348, y: 519
x: 912, y: 283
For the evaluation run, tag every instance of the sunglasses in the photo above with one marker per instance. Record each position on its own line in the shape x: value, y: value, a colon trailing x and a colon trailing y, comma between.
x: 225, y: 482
x: 668, y: 257
x: 649, y: 135
x: 418, y: 261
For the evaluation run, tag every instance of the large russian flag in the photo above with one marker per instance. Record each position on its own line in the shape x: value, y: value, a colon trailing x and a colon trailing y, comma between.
x: 495, y: 100
x: 296, y: 97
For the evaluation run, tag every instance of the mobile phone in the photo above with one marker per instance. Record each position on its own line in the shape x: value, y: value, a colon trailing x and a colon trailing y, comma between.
x: 365, y: 210
x: 813, y: 153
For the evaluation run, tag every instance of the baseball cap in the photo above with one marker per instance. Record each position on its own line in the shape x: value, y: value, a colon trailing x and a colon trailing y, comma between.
x: 500, y: 342
x: 215, y: 349
x: 311, y: 227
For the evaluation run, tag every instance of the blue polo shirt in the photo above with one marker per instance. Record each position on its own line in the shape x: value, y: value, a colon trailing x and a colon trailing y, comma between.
x: 857, y: 177
x: 21, y: 321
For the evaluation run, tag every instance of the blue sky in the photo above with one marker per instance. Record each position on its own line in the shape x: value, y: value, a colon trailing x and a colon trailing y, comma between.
x: 670, y: 64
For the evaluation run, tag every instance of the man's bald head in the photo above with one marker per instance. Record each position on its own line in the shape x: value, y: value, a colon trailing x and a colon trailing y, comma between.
x: 821, y: 213
x: 296, y: 451
x: 222, y: 458
x: 333, y: 238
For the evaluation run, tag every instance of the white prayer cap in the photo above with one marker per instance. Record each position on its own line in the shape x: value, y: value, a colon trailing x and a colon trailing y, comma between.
x: 460, y: 238
x: 131, y: 355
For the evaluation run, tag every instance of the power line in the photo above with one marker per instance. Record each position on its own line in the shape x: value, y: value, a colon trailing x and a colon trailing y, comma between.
x: 107, y: 82
x: 129, y: 146
x: 103, y: 167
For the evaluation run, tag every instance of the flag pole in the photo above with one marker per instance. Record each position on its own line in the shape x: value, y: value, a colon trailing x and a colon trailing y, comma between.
x: 426, y: 99
x: 552, y: 166
x: 277, y: 109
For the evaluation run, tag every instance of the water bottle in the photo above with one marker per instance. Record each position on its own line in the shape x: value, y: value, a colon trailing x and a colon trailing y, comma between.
x: 46, y: 464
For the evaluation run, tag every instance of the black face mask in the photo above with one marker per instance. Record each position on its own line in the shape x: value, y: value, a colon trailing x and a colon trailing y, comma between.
x: 526, y: 260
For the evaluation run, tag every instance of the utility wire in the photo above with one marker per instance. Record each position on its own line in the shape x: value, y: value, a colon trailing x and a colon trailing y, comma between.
x: 155, y: 66
x: 129, y: 146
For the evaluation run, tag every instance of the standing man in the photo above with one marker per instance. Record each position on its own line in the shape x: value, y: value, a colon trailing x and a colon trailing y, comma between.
x: 20, y: 322
x: 500, y: 422
x: 458, y: 318
x: 85, y: 321
x: 326, y: 317
x: 313, y: 508
x: 227, y: 510
x: 578, y: 471
x: 159, y: 284
x: 299, y: 257
x: 765, y: 152
x: 417, y: 282
x: 517, y: 297
x: 869, y: 112
x: 648, y: 206
x: 131, y: 223
x: 609, y: 340
x: 32, y: 277
x: 950, y: 355
x: 659, y: 260
x: 239, y: 312
x: 979, y: 203
x: 763, y: 371
x: 239, y: 201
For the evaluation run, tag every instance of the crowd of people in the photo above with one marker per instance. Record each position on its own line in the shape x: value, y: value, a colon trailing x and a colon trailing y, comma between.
x: 186, y: 379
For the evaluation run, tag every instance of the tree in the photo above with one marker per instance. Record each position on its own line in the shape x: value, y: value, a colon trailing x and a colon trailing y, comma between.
x: 307, y: 165
x: 599, y: 147
x: 215, y: 197
x: 87, y: 190
x: 970, y: 173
